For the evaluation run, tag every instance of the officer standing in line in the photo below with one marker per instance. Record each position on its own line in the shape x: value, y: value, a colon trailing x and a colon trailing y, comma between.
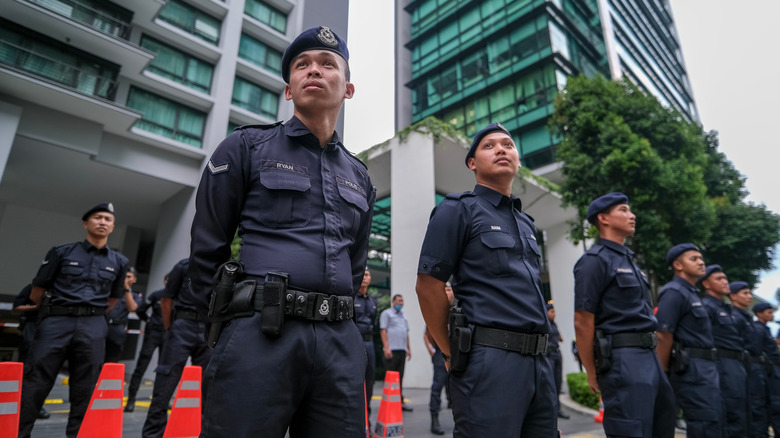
x: 685, y: 344
x: 554, y: 353
x: 184, y: 338
x: 727, y: 334
x: 441, y: 376
x: 117, y: 318
x: 154, y: 335
x: 757, y: 383
x: 302, y: 205
x: 766, y: 313
x: 365, y: 318
x: 614, y: 317
x: 81, y: 281
x: 501, y: 381
x: 28, y: 323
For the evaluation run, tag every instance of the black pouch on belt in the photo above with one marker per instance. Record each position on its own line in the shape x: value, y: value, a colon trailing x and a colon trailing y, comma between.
x: 460, y: 340
x: 272, y: 315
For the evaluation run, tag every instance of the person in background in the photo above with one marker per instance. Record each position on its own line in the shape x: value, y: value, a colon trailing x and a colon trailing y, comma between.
x: 764, y: 314
x: 394, y: 330
x: 441, y: 376
x: 117, y: 318
x: 28, y: 323
x: 554, y: 353
x: 365, y: 318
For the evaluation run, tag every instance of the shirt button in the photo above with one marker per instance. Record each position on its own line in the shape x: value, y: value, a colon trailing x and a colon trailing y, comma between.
x: 436, y: 269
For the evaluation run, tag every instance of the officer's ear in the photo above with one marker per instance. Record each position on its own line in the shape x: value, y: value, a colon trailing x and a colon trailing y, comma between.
x: 287, y: 92
x: 350, y: 91
x: 471, y: 163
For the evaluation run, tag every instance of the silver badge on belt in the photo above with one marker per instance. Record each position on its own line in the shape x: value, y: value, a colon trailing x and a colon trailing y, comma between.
x: 324, y: 308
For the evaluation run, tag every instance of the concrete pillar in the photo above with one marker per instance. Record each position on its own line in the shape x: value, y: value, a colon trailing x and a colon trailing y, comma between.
x: 10, y: 115
x: 172, y: 241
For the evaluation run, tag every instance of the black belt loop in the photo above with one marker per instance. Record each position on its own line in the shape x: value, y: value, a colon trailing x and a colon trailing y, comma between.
x: 710, y: 354
x: 523, y: 343
x: 640, y: 340
x: 188, y: 314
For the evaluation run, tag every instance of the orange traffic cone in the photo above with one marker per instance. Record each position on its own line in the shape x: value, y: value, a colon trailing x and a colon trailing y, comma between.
x: 10, y: 397
x: 103, y: 418
x: 185, y: 415
x: 389, y: 421
x: 600, y: 417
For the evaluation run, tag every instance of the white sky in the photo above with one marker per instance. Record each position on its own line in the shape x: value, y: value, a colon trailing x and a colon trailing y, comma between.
x: 730, y: 50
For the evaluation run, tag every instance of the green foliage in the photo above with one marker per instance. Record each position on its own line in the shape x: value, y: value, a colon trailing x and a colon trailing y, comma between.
x: 580, y: 392
x: 235, y: 246
x: 432, y: 125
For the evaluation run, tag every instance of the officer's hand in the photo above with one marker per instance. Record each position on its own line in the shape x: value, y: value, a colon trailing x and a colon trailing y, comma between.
x: 388, y: 353
x: 593, y: 383
x: 408, y: 355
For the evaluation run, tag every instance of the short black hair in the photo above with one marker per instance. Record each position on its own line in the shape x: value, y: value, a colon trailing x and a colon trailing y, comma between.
x: 396, y: 296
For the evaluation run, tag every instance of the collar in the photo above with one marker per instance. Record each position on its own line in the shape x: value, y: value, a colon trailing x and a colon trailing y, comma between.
x: 614, y: 246
x: 683, y: 282
x: 497, y: 198
x: 295, y: 128
x: 88, y: 247
x: 720, y: 302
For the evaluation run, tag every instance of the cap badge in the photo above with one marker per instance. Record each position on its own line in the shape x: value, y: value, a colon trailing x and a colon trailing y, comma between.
x: 325, y: 35
x: 111, y: 207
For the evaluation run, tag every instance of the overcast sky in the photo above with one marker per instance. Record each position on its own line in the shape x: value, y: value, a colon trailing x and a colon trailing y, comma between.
x: 731, y: 54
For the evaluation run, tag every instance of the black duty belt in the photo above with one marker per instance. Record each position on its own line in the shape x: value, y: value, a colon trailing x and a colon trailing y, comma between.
x: 188, y: 314
x: 641, y: 340
x: 75, y: 311
x: 522, y: 343
x: 703, y: 353
x: 367, y: 337
x: 313, y: 306
x: 774, y: 360
x: 731, y: 354
x: 113, y: 321
x: 757, y: 359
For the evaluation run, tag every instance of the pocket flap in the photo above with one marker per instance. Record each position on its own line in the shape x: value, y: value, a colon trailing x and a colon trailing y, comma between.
x: 354, y: 198
x: 497, y: 239
x: 285, y: 181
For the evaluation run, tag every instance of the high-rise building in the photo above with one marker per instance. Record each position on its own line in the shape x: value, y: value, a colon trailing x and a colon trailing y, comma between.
x: 472, y: 62
x: 124, y: 101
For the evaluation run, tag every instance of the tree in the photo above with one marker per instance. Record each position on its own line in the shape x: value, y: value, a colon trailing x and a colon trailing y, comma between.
x: 614, y: 137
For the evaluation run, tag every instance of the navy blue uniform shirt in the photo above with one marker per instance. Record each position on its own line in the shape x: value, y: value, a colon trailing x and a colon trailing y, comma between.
x: 681, y: 312
x: 365, y: 313
x: 767, y: 341
x: 299, y: 208
x: 79, y: 274
x: 485, y: 241
x: 725, y: 326
x: 179, y: 289
x: 153, y: 301
x: 751, y: 339
x: 608, y: 284
x: 554, y: 339
x: 119, y: 312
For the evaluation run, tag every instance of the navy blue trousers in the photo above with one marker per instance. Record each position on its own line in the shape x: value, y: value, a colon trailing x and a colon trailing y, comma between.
x: 370, y: 371
x: 115, y: 342
x: 733, y: 389
x: 638, y: 399
x: 185, y: 339
x: 440, y: 381
x: 557, y: 364
x: 774, y: 398
x: 310, y: 380
x: 757, y: 400
x: 504, y: 394
x: 698, y: 394
x: 79, y: 340
x: 153, y: 339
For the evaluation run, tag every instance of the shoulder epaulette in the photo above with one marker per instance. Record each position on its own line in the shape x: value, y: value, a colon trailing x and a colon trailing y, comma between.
x: 258, y: 126
x: 595, y: 249
x: 353, y: 156
x: 529, y: 217
x: 459, y: 195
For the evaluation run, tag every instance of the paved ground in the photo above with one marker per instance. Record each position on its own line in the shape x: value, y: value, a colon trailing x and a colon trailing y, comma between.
x: 416, y: 423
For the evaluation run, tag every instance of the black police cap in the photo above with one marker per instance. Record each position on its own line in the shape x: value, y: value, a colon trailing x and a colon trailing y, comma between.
x: 489, y: 129
x: 760, y: 307
x: 604, y: 202
x: 678, y: 250
x: 105, y: 206
x: 711, y: 269
x: 736, y: 286
x: 316, y: 38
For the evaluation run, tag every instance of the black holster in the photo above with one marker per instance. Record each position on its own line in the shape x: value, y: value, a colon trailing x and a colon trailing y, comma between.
x: 679, y: 359
x: 219, y: 315
x: 44, y: 308
x: 602, y: 352
x: 272, y: 315
x: 460, y: 340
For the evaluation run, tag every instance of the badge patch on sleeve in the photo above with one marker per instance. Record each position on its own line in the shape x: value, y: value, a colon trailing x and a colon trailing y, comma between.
x: 222, y: 168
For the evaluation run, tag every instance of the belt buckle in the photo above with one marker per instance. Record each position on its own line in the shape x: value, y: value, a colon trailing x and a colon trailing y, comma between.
x: 714, y: 354
x: 323, y: 308
x: 541, y: 346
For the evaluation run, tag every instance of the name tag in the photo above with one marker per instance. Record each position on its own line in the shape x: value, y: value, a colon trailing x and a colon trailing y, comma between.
x: 625, y: 270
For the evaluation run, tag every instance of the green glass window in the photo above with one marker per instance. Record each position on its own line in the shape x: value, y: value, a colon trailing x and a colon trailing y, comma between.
x: 103, y: 16
x: 266, y: 14
x: 260, y: 54
x: 178, y: 66
x: 167, y: 118
x: 255, y: 98
x: 191, y: 20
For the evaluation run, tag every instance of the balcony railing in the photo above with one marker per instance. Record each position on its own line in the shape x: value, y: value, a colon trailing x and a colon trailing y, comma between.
x: 70, y: 76
x: 88, y: 15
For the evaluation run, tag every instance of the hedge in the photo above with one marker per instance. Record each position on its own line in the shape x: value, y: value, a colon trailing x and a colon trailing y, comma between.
x: 580, y: 392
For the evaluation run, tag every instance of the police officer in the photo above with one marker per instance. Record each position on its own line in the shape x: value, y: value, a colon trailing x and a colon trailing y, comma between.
x: 82, y: 280
x: 554, y: 353
x: 154, y: 334
x: 685, y: 333
x: 488, y: 245
x: 302, y: 205
x: 117, y: 318
x: 365, y: 317
x: 613, y: 314
x: 727, y: 334
x: 28, y: 323
x: 185, y: 327
x: 765, y: 313
x: 440, y: 374
x: 757, y: 383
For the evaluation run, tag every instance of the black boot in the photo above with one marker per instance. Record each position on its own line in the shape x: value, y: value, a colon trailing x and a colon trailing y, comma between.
x: 130, y: 406
x: 44, y: 414
x: 435, y: 426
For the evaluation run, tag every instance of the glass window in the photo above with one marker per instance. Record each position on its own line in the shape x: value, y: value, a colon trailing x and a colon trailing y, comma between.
x: 260, y: 54
x: 191, y: 20
x: 178, y: 66
x: 167, y: 118
x: 103, y: 16
x: 255, y: 98
x: 266, y: 14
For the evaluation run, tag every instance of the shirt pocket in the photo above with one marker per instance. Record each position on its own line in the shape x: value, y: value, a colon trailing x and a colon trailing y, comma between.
x: 627, y: 280
x: 497, y: 247
x: 71, y: 272
x: 353, y: 206
x: 106, y: 279
x: 286, y: 199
